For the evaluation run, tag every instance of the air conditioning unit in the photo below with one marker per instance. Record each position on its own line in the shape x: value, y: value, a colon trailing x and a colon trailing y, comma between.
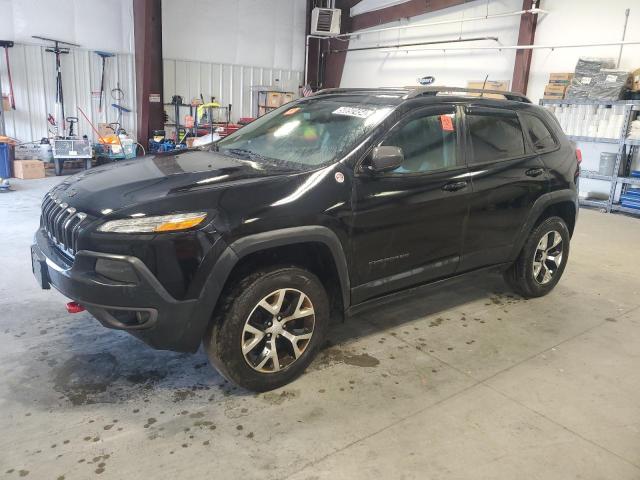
x: 325, y: 21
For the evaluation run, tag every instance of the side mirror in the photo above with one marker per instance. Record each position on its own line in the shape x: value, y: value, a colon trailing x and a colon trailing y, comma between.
x: 386, y: 158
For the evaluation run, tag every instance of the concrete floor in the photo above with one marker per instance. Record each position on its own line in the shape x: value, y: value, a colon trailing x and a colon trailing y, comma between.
x: 468, y: 382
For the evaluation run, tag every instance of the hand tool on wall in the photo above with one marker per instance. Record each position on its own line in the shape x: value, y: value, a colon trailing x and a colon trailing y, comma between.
x: 7, y: 44
x: 104, y: 56
x: 58, y: 50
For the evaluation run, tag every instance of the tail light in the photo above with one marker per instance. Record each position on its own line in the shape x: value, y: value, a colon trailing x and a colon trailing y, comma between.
x: 579, y: 156
x: 74, y: 307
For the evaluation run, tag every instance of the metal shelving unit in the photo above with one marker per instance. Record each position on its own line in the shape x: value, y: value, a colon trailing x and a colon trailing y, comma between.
x: 631, y: 108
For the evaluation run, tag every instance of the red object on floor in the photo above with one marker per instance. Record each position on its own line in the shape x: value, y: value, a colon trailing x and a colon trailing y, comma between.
x: 74, y: 307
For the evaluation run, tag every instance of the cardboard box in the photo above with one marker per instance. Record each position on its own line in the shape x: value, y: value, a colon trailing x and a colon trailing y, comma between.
x: 555, y: 88
x: 562, y: 78
x: 28, y: 169
x: 274, y: 99
x: 287, y: 97
x: 502, y: 85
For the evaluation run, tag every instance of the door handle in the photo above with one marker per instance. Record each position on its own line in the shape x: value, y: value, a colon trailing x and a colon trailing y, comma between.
x: 534, y: 172
x: 454, y: 186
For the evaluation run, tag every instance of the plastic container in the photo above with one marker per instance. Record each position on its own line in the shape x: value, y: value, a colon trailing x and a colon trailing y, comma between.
x: 6, y: 159
x: 607, y: 163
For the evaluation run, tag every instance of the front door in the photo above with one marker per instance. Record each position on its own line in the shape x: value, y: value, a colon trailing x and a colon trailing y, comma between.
x: 408, y: 223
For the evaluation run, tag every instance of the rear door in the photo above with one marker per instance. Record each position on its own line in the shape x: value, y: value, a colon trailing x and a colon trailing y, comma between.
x: 507, y: 176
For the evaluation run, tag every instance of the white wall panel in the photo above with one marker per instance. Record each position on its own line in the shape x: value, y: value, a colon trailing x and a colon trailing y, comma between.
x: 93, y: 24
x: 264, y: 33
x: 228, y: 83
x: 33, y: 72
x: 403, y: 67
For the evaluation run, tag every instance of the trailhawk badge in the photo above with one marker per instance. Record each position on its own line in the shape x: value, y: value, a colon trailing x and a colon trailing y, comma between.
x: 339, y: 177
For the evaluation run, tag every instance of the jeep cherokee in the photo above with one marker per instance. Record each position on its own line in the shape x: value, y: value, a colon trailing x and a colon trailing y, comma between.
x: 324, y: 206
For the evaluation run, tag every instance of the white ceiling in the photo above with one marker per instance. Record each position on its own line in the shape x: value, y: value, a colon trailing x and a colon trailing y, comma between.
x: 369, y: 5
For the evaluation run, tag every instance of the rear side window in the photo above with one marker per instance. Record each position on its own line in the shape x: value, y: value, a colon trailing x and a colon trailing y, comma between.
x: 541, y: 138
x: 428, y: 143
x: 494, y: 136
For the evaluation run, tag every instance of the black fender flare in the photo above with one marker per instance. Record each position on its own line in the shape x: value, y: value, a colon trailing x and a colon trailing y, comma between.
x: 540, y: 205
x: 244, y: 246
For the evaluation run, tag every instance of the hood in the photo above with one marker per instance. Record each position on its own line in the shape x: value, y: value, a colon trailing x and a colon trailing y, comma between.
x: 125, y: 184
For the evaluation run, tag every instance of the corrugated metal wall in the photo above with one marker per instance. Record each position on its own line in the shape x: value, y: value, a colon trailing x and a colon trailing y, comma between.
x: 230, y: 84
x: 33, y: 72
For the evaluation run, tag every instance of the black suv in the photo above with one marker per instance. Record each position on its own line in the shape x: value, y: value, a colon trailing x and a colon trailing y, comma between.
x: 317, y: 209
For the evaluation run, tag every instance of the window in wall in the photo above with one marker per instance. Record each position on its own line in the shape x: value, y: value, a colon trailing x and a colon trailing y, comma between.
x: 428, y: 143
x: 495, y: 136
x: 539, y: 133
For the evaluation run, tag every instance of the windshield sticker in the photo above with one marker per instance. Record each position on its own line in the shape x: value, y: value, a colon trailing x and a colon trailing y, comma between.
x: 447, y: 123
x: 354, y: 112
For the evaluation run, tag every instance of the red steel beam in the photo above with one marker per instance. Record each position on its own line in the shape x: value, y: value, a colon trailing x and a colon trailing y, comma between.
x: 526, y: 36
x: 147, y: 32
x: 408, y: 9
x: 334, y: 62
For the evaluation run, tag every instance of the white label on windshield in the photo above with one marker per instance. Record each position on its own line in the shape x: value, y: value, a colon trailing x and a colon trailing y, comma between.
x: 611, y: 78
x: 353, y: 112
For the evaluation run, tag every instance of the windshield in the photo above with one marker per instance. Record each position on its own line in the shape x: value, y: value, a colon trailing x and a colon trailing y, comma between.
x: 306, y: 134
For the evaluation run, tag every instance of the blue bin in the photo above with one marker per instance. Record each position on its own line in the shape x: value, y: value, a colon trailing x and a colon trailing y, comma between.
x: 6, y: 157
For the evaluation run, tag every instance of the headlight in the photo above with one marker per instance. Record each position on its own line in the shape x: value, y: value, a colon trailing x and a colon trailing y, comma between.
x: 162, y: 223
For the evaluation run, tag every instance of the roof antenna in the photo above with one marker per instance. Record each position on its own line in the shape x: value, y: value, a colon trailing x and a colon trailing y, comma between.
x: 484, y: 84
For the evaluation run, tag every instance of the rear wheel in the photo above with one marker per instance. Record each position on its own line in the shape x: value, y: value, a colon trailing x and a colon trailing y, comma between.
x: 268, y: 328
x: 542, y: 260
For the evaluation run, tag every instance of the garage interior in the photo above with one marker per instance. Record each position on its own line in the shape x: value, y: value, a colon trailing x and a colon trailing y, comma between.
x: 467, y: 381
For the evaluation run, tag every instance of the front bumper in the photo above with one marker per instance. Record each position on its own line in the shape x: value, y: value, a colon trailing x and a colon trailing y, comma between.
x: 142, y: 306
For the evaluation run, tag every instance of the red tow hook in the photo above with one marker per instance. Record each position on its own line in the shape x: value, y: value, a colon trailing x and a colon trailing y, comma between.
x: 74, y: 307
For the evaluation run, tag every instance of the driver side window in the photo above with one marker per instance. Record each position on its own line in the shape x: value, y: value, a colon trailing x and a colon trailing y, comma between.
x: 428, y: 143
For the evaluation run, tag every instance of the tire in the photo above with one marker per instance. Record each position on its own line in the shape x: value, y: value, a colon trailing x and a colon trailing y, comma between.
x: 240, y: 314
x: 534, y: 273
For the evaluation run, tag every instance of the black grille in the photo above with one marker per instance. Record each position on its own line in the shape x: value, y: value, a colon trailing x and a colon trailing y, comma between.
x: 62, y: 224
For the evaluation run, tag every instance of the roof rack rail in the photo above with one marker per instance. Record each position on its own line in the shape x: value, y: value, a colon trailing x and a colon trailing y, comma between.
x: 413, y: 92
x: 424, y: 91
x: 328, y: 91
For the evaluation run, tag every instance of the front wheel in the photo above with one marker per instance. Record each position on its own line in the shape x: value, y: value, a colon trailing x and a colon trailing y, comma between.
x: 542, y: 260
x: 267, y: 329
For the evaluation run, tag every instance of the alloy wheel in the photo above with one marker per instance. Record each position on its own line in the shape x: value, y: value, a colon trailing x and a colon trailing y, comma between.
x: 278, y: 330
x: 547, y: 257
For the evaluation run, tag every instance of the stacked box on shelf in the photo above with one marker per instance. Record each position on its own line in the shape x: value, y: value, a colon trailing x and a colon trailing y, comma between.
x: 270, y: 100
x: 557, y: 86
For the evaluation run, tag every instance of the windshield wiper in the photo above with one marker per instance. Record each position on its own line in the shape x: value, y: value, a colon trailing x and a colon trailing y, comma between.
x: 244, y: 153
